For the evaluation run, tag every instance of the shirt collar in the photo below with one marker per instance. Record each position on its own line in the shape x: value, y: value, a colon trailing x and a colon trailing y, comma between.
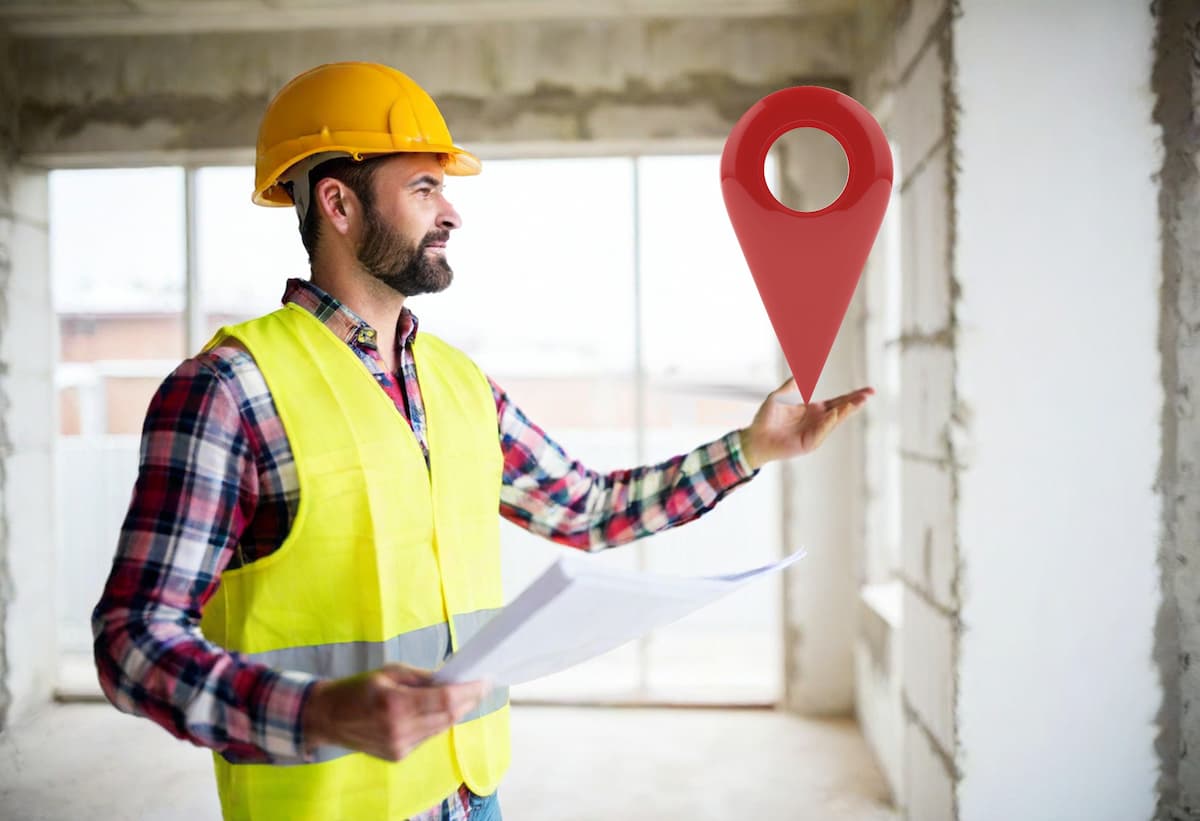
x: 343, y: 322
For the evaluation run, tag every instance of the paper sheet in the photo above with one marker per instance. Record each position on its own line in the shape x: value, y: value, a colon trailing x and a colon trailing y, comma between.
x: 578, y: 609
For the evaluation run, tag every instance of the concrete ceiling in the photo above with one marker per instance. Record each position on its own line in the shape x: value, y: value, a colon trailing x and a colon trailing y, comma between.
x: 82, y: 18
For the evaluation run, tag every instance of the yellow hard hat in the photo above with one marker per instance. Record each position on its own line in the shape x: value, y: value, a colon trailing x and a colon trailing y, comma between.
x: 354, y: 109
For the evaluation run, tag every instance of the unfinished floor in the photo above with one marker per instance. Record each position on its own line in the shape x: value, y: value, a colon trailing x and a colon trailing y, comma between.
x: 87, y: 761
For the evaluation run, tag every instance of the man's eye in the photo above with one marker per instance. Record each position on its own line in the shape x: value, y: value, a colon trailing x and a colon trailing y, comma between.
x: 427, y: 191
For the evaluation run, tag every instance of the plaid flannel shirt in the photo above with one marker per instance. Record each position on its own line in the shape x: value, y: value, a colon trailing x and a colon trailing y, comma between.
x: 217, y: 487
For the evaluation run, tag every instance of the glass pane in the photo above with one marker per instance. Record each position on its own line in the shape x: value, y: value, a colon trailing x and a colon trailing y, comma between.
x: 710, y: 355
x: 245, y: 252
x: 580, y: 391
x: 543, y: 299
x: 543, y: 268
x: 704, y: 323
x: 118, y: 282
x: 117, y: 260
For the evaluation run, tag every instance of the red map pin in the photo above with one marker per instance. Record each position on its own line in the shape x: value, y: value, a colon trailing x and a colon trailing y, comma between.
x: 806, y: 263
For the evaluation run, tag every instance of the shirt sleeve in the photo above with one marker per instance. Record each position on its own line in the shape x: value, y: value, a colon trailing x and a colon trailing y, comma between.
x: 196, y: 491
x: 548, y: 493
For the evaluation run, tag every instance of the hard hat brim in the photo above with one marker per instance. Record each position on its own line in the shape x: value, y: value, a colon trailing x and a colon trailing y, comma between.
x: 456, y: 162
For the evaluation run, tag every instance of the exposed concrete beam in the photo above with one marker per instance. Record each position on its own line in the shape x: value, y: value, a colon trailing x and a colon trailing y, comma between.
x: 132, y: 99
x: 140, y: 17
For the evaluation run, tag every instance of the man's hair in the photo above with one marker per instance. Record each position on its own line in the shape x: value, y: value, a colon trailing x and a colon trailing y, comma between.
x: 357, y: 175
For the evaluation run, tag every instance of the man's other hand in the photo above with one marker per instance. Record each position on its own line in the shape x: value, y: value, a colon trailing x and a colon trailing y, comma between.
x: 782, y: 429
x: 387, y: 712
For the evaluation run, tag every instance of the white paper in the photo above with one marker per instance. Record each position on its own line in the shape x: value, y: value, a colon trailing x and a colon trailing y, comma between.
x: 578, y: 609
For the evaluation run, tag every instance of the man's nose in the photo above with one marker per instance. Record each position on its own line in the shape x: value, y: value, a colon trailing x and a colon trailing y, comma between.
x: 448, y: 218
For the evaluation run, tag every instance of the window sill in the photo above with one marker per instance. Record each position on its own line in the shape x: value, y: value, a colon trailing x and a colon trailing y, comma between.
x: 885, y: 600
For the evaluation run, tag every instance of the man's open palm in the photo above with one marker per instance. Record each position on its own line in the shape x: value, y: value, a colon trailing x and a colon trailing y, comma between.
x: 783, y: 427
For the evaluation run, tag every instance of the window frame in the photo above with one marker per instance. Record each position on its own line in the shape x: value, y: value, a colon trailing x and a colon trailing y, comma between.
x: 194, y: 319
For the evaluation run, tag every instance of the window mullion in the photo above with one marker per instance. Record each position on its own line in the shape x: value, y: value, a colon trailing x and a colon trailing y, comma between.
x: 639, y: 398
x: 192, y: 307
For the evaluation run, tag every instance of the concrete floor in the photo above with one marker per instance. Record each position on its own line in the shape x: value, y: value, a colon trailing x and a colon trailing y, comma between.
x: 87, y: 762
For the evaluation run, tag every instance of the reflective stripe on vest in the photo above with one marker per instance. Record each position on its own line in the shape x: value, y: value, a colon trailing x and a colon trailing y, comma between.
x: 387, y: 559
x: 424, y: 648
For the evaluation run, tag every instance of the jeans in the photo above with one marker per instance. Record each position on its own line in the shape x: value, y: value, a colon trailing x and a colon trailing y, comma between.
x: 485, y: 808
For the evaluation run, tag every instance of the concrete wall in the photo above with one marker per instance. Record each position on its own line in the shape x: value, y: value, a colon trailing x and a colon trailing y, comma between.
x: 499, y: 83
x: 908, y: 54
x: 1176, y: 84
x: 929, y: 462
x: 1056, y: 367
x: 1030, y: 337
x: 822, y: 507
x: 27, y: 350
x: 27, y: 354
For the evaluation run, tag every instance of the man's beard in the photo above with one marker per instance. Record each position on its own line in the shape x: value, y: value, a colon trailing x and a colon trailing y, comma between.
x: 390, y: 257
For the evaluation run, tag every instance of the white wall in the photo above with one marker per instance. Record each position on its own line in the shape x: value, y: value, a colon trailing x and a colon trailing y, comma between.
x: 1058, y: 260
x: 907, y: 647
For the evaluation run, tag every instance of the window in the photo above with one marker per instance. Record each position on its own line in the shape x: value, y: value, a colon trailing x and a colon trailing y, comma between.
x: 709, y: 357
x: 118, y: 284
x: 580, y: 287
x: 244, y: 253
x: 118, y: 288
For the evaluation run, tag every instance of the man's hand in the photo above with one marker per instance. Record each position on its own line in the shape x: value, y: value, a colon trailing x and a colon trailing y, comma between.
x: 781, y: 430
x: 387, y: 712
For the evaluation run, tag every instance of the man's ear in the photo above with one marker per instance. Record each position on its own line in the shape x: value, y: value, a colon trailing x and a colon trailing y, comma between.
x: 337, y: 202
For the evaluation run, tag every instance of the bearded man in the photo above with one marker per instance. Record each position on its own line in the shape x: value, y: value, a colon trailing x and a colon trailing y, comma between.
x: 314, y: 526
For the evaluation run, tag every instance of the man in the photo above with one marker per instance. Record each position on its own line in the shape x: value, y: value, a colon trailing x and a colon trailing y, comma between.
x: 314, y: 525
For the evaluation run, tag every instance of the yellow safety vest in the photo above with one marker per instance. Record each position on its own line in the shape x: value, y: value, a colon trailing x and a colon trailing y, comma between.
x: 386, y: 561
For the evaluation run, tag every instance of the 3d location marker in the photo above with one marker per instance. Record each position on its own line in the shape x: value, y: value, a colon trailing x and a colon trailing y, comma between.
x: 806, y: 264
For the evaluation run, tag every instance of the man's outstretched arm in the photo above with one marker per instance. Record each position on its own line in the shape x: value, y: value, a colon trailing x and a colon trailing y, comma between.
x: 547, y: 492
